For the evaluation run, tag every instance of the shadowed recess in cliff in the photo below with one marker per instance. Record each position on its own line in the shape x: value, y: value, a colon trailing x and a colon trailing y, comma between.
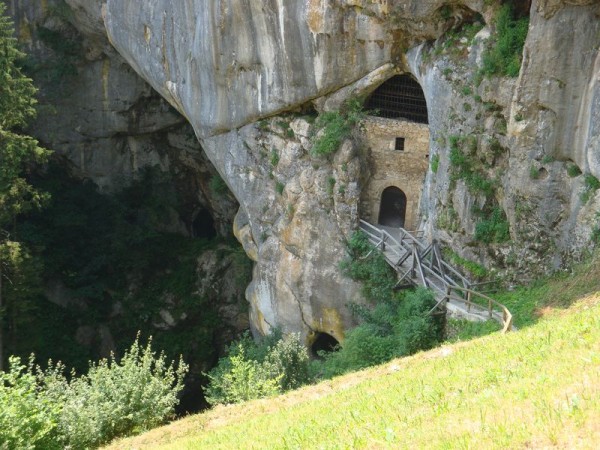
x: 399, y: 97
x: 324, y: 342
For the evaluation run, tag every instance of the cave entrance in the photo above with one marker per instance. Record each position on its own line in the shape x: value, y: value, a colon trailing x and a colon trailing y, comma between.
x: 399, y: 97
x: 392, y: 209
x: 324, y: 343
x: 203, y: 225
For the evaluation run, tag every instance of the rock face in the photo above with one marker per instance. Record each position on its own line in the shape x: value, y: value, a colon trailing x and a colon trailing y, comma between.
x: 108, y: 122
x: 226, y: 65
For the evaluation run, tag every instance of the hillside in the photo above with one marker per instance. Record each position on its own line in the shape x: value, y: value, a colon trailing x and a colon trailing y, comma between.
x: 538, y: 387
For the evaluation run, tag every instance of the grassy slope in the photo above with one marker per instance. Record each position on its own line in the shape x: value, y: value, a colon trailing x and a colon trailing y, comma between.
x: 539, y: 387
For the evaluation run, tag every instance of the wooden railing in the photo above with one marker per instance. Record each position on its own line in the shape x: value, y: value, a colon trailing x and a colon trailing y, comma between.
x: 494, y: 310
x: 429, y: 269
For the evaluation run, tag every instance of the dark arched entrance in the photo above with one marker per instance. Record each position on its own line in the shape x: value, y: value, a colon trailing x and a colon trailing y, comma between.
x: 392, y: 210
x: 399, y: 97
x: 324, y: 343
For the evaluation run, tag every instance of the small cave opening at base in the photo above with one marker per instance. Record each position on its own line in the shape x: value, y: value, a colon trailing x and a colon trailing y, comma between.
x: 324, y: 342
x: 203, y: 225
x: 392, y: 209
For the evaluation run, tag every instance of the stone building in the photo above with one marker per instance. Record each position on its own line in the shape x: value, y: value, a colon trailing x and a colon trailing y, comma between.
x: 397, y: 144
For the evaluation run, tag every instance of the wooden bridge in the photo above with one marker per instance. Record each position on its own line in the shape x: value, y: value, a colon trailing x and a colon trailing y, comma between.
x: 420, y: 264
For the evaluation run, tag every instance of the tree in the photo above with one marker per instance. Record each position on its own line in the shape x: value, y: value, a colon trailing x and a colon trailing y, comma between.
x: 18, y: 154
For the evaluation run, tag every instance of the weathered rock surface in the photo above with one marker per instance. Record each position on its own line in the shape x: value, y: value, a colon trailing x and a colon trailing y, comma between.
x: 226, y: 64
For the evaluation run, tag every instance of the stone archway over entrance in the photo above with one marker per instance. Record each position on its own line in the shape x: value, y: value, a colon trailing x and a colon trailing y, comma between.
x: 392, y: 209
x: 400, y: 97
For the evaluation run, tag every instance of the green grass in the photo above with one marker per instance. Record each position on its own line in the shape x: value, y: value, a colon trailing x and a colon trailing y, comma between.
x: 538, y: 387
x: 464, y: 330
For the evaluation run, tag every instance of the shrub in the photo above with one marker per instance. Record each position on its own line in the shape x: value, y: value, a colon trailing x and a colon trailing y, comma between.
x: 330, y: 185
x: 43, y: 409
x: 534, y: 173
x: 503, y: 55
x: 28, y: 415
x: 274, y: 157
x: 591, y: 185
x: 368, y: 266
x: 118, y: 398
x: 573, y: 170
x: 334, y: 127
x: 258, y: 369
x: 279, y: 187
x: 493, y: 229
x: 398, y: 327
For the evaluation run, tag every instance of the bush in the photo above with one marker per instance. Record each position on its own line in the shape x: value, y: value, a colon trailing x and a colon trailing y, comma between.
x: 28, y: 416
x: 503, y: 56
x: 254, y: 370
x: 120, y: 398
x: 399, y: 327
x: 43, y: 409
x: 494, y: 229
x: 591, y: 185
x: 573, y: 170
x: 368, y: 266
x: 334, y: 127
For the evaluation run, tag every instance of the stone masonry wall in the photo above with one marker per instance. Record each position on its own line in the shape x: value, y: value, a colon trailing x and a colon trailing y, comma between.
x: 389, y: 167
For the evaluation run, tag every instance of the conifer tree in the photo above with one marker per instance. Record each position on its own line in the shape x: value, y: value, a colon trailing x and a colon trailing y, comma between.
x: 18, y: 153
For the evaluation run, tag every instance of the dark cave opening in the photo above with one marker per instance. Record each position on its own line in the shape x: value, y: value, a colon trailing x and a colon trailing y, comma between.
x: 392, y: 210
x: 203, y: 225
x: 324, y: 342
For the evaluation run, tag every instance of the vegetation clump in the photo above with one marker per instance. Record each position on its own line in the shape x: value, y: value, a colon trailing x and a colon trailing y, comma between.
x: 260, y: 369
x: 335, y: 126
x: 42, y: 408
x: 397, y: 323
x: 504, y: 53
x: 493, y: 229
x: 591, y: 185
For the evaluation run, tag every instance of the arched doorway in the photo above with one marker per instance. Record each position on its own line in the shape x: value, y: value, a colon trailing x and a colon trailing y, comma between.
x: 392, y: 209
x: 399, y: 97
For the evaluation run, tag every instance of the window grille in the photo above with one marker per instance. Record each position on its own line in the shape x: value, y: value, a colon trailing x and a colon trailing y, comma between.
x: 399, y: 97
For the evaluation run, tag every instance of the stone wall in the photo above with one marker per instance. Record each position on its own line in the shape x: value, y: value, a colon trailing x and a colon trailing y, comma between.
x: 389, y: 167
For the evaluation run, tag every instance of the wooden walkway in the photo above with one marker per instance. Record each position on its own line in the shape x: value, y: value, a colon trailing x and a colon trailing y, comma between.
x: 420, y: 264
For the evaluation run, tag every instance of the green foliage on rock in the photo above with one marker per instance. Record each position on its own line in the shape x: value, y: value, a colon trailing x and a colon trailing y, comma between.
x: 258, y: 369
x: 494, y: 228
x: 368, y: 266
x: 335, y: 126
x: 464, y: 165
x: 435, y: 163
x: 591, y: 185
x: 504, y: 53
x: 397, y: 327
x: 397, y: 324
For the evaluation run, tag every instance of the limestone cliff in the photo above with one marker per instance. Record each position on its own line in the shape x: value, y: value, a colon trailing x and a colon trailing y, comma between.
x: 242, y: 73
